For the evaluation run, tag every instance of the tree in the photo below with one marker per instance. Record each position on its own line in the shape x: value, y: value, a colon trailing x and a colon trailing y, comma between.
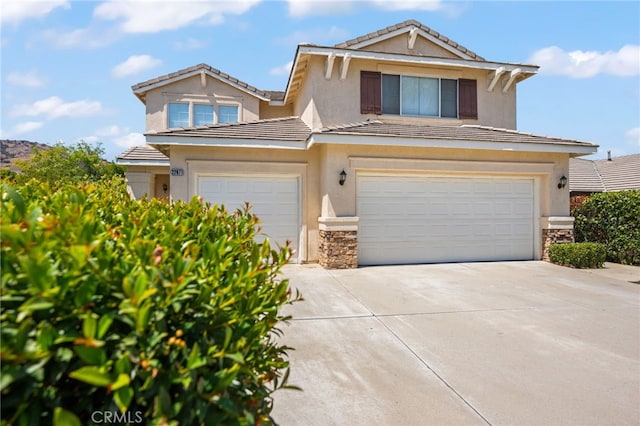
x: 69, y: 164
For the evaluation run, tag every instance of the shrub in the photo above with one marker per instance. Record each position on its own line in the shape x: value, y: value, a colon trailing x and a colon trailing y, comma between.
x: 63, y: 164
x: 613, y: 219
x: 578, y: 255
x: 167, y: 313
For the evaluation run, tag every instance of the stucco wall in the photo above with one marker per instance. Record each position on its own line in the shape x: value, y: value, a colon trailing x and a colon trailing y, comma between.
x: 421, y: 47
x: 256, y: 161
x: 323, y: 196
x: 190, y: 90
x: 323, y: 102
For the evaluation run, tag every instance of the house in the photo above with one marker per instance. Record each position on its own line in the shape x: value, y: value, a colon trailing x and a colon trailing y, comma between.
x: 604, y: 175
x: 396, y: 147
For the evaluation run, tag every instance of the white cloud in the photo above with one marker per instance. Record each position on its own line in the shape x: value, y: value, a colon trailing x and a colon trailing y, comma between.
x: 135, y: 64
x: 16, y: 11
x: 150, y: 16
x: 633, y: 136
x: 189, y: 44
x: 55, y: 107
x: 282, y: 70
x: 302, y: 8
x: 428, y: 5
x: 80, y: 37
x: 26, y: 127
x: 315, y: 35
x: 131, y: 139
x: 585, y: 64
x: 116, y: 135
x: 112, y: 130
x: 29, y: 79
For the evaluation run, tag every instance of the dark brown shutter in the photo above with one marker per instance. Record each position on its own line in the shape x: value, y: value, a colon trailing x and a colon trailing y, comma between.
x: 467, y: 98
x: 370, y: 92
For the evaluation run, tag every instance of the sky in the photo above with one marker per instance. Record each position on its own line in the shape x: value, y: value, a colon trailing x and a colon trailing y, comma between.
x: 67, y: 67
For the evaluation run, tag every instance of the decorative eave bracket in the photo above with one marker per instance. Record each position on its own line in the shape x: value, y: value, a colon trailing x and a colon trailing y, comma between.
x: 344, y: 67
x: 203, y: 79
x: 495, y: 77
x: 512, y: 78
x: 413, y: 34
x: 328, y: 69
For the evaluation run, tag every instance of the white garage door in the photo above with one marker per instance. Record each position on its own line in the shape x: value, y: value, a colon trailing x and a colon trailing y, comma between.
x: 424, y: 219
x: 275, y: 200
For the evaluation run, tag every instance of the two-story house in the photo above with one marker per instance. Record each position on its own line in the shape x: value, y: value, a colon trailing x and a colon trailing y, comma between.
x: 399, y: 146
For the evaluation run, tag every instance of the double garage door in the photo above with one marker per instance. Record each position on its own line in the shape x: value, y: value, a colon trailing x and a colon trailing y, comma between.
x: 275, y: 200
x: 426, y: 219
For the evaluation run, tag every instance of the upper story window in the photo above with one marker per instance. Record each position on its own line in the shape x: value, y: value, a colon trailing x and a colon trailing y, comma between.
x: 228, y: 114
x: 417, y: 96
x: 202, y: 114
x: 185, y: 114
x: 178, y: 115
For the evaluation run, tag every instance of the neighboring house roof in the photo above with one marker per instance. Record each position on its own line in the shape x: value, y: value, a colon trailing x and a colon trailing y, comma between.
x: 393, y: 30
x: 604, y: 175
x: 143, y: 156
x: 141, y: 88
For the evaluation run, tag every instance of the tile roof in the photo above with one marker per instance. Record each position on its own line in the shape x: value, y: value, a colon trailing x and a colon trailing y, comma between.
x: 464, y: 132
x: 203, y: 67
x: 143, y: 153
x: 617, y: 174
x: 405, y: 24
x: 282, y: 129
x: 583, y: 176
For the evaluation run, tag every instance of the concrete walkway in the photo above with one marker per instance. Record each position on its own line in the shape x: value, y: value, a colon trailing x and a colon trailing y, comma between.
x: 504, y: 343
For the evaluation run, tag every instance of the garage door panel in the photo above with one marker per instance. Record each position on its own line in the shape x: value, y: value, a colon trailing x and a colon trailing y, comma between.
x: 421, y: 219
x: 275, y: 200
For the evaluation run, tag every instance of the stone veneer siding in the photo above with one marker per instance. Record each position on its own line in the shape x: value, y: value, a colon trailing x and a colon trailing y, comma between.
x: 553, y: 236
x: 338, y: 249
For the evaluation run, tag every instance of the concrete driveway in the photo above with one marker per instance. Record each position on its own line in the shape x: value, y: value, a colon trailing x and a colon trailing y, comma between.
x: 506, y: 343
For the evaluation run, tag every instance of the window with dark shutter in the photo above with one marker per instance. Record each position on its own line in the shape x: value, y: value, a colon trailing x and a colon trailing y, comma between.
x: 467, y: 99
x: 370, y: 90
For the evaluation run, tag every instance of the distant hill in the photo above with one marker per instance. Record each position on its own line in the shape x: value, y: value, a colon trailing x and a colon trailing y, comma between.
x: 10, y: 150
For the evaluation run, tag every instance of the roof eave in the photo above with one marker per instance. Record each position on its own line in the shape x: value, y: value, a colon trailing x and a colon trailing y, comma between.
x: 523, y: 71
x: 140, y: 91
x: 344, y: 138
x: 146, y: 163
x: 167, y: 140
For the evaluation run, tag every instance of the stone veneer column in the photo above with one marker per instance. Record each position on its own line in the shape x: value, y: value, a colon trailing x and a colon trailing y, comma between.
x: 555, y: 229
x: 338, y: 242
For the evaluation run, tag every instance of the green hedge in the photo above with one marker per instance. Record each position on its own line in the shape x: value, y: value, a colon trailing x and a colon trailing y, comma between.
x: 578, y: 255
x: 167, y: 313
x: 613, y: 219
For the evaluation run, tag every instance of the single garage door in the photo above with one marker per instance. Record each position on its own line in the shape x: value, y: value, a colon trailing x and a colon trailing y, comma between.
x: 275, y: 200
x: 426, y: 219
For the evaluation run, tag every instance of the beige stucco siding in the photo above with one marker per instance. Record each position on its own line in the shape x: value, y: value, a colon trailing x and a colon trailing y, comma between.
x: 319, y: 167
x: 252, y: 161
x: 341, y: 200
x: 275, y: 111
x: 323, y: 102
x: 421, y: 47
x: 190, y: 90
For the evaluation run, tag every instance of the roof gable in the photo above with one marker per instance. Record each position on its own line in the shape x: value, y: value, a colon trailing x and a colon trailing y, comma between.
x: 410, y: 30
x: 203, y: 70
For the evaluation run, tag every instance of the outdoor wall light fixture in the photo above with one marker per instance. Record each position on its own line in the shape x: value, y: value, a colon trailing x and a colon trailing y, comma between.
x: 343, y: 177
x: 563, y: 182
x: 165, y: 187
